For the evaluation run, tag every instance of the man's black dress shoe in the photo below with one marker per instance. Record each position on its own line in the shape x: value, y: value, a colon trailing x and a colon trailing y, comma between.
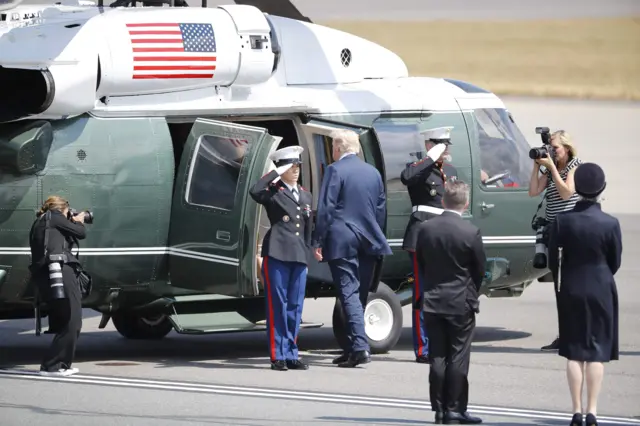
x: 297, y: 365
x: 341, y: 358
x: 452, y: 418
x: 356, y: 358
x: 439, y: 417
x: 422, y: 359
x: 279, y: 365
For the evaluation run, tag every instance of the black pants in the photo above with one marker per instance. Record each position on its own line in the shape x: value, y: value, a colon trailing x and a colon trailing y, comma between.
x: 450, y: 339
x: 65, y: 319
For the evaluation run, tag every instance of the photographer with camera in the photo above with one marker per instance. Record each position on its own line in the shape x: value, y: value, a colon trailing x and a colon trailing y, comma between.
x: 59, y: 279
x: 559, y: 158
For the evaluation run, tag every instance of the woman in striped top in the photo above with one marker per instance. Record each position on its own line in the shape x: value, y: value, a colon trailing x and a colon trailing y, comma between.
x: 557, y: 179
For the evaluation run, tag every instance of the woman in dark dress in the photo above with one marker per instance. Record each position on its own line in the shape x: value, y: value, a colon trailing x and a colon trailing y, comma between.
x: 585, y: 248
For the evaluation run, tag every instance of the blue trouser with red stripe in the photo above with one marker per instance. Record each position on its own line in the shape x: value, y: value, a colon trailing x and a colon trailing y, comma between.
x: 284, y: 284
x: 420, y: 340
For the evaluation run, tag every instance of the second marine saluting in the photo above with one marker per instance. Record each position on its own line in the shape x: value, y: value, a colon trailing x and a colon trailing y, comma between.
x: 425, y: 181
x: 284, y: 250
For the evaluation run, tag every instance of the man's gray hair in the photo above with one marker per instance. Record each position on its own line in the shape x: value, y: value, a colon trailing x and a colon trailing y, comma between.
x: 345, y: 141
x: 456, y: 195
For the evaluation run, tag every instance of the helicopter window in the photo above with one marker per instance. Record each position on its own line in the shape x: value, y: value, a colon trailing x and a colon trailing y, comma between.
x: 504, y: 150
x: 401, y: 144
x: 215, y: 171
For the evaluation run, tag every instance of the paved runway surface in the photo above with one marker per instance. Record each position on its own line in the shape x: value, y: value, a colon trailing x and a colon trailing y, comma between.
x: 204, y: 380
x: 448, y: 9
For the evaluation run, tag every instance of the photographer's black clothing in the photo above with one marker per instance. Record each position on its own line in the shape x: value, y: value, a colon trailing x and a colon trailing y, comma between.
x: 425, y: 182
x: 65, y: 315
x: 62, y: 235
x: 65, y: 319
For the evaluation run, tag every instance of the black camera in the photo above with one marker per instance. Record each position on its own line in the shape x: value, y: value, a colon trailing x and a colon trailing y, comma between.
x: 545, y: 150
x: 88, y: 215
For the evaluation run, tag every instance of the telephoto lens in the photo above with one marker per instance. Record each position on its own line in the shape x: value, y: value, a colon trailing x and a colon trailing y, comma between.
x: 55, y: 281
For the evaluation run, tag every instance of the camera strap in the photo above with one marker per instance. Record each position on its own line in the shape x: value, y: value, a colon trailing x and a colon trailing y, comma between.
x: 533, y: 219
x: 47, y: 225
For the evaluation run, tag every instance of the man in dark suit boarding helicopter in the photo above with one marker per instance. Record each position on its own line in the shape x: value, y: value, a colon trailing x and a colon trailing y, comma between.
x: 349, y: 235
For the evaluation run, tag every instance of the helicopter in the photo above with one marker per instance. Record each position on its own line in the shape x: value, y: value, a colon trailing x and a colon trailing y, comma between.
x: 159, y: 119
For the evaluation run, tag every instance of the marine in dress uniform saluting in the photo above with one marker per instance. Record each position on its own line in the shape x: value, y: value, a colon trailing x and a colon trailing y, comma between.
x: 284, y: 250
x: 425, y: 181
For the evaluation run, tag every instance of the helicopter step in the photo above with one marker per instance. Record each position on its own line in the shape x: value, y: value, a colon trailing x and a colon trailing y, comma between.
x: 190, y: 321
x: 200, y: 324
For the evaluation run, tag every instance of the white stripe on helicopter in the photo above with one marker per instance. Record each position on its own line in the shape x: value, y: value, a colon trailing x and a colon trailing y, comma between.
x: 141, y: 251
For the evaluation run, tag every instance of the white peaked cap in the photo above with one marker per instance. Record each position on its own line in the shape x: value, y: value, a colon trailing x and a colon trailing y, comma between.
x: 289, y: 154
x: 438, y: 134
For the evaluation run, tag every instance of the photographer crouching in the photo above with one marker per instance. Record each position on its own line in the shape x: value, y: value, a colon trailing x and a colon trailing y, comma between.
x: 559, y: 158
x: 59, y: 279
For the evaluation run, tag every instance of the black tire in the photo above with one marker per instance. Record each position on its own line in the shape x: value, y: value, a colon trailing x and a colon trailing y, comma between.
x: 134, y: 326
x: 384, y: 302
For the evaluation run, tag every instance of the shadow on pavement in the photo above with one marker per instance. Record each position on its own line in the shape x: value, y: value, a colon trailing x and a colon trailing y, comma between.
x: 106, y: 347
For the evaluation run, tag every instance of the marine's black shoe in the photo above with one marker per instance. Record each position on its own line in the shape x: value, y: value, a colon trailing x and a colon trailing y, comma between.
x: 279, y: 365
x: 422, y: 359
x: 297, y: 365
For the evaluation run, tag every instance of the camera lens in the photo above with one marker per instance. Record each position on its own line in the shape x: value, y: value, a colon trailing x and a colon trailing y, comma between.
x: 536, y: 153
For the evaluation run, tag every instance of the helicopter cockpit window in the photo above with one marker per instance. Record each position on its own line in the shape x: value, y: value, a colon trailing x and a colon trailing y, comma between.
x: 215, y: 171
x: 504, y: 151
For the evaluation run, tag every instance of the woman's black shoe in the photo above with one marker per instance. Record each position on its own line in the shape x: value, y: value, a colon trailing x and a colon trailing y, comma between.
x: 576, y: 420
x: 591, y: 420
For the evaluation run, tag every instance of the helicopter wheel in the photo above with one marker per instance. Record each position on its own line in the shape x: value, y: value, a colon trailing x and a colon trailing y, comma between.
x: 133, y: 326
x: 382, y: 321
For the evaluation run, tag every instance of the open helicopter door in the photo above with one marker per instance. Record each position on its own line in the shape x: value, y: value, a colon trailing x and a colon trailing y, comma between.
x: 212, y: 216
x: 317, y: 131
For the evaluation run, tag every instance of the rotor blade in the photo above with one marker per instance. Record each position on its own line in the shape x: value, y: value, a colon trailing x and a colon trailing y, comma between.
x: 282, y: 8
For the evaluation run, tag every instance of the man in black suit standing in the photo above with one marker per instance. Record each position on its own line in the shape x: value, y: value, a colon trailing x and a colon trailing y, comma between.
x: 451, y: 256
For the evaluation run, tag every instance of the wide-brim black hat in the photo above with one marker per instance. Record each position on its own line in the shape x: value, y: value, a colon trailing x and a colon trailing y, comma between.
x: 589, y: 180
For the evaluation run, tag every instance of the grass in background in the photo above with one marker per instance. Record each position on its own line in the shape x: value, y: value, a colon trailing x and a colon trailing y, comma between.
x: 585, y: 58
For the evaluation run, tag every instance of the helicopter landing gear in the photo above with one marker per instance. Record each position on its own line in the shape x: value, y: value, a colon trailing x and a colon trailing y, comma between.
x: 382, y: 321
x: 134, y: 326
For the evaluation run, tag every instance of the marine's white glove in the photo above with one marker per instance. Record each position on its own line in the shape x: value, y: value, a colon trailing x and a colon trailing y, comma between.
x: 435, y: 152
x: 280, y: 170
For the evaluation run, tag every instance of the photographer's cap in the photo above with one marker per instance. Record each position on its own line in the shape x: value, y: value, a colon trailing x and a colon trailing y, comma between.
x: 589, y: 180
x: 438, y: 135
x: 287, y: 155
